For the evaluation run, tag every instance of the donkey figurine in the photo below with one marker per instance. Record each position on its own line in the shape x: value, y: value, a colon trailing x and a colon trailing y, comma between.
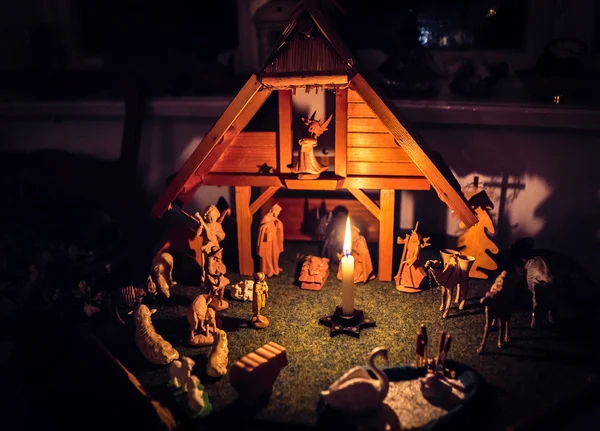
x: 452, y: 275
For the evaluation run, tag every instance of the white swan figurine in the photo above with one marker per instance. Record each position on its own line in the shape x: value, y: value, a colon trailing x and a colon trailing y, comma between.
x: 356, y: 392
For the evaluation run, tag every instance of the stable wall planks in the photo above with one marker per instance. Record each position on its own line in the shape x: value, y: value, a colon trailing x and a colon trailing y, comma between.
x: 382, y: 155
x: 360, y: 110
x: 372, y: 140
x: 392, y: 169
x: 354, y: 97
x: 371, y: 125
x: 247, y: 152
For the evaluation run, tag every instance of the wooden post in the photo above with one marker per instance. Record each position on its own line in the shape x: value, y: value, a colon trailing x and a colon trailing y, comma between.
x: 386, y: 233
x: 244, y: 224
x: 341, y: 131
x: 285, y: 130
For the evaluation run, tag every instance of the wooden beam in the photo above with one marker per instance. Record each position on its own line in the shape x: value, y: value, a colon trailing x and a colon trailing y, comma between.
x: 320, y: 184
x: 263, y: 198
x: 229, y: 138
x: 386, y: 234
x: 242, y: 180
x: 366, y: 201
x: 286, y: 134
x: 285, y: 82
x: 399, y: 183
x: 341, y: 130
x: 407, y: 141
x: 244, y: 224
x: 208, y: 143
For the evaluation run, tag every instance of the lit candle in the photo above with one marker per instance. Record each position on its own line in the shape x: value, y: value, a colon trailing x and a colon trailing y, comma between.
x: 347, y: 273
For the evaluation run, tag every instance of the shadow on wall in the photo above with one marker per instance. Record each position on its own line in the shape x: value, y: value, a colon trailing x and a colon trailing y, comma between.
x: 551, y: 183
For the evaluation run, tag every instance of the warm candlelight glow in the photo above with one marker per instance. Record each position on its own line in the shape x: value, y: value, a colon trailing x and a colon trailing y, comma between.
x: 347, y: 249
x: 347, y: 263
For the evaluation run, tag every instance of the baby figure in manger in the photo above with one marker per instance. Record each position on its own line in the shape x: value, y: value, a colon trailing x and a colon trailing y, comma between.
x: 307, y: 166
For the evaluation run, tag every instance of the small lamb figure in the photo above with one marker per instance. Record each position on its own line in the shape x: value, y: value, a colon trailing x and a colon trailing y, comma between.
x: 219, y: 355
x: 498, y: 302
x: 243, y: 290
x: 180, y: 371
x: 195, y: 396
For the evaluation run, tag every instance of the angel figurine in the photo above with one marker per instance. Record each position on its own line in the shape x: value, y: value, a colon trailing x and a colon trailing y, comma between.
x: 307, y: 167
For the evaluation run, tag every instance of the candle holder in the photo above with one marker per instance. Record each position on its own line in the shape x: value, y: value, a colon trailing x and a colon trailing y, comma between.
x: 349, y: 325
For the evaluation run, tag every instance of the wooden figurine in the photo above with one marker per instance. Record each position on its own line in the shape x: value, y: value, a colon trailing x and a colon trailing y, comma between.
x: 259, y: 300
x: 202, y: 321
x: 334, y: 235
x: 540, y: 282
x: 449, y: 274
x: 195, y: 394
x: 363, y: 266
x: 476, y: 240
x: 356, y: 392
x: 410, y: 272
x: 218, y: 358
x: 441, y: 343
x: 180, y: 371
x: 307, y: 167
x: 253, y: 375
x: 242, y: 290
x: 211, y: 230
x: 215, y: 280
x: 421, y: 349
x: 128, y: 297
x: 270, y: 242
x: 435, y: 386
x: 498, y: 302
x: 152, y: 346
x: 162, y: 273
x: 315, y: 271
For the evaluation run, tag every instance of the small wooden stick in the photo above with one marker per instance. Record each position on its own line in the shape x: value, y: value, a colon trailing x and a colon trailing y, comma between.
x: 440, y: 347
x: 446, y: 349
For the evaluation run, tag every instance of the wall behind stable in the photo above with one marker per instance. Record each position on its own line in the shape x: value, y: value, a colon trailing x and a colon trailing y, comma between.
x: 546, y: 157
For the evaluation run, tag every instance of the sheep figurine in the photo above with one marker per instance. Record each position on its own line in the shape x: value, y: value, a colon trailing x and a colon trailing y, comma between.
x: 202, y: 320
x: 242, y: 291
x: 154, y: 347
x: 162, y: 273
x: 195, y: 395
x: 498, y: 302
x: 180, y: 371
x: 218, y: 358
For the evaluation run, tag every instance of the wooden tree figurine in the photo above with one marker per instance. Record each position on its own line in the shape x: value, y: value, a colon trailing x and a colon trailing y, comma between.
x: 476, y: 240
x: 410, y: 272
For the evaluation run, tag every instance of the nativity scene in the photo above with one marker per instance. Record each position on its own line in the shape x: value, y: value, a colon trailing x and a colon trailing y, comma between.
x: 222, y: 322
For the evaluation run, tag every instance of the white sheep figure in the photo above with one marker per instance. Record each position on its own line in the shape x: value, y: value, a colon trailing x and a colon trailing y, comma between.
x: 195, y: 396
x: 180, y: 371
x: 242, y: 291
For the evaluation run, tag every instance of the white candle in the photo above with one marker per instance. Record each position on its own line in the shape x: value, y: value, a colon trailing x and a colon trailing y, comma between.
x: 347, y: 273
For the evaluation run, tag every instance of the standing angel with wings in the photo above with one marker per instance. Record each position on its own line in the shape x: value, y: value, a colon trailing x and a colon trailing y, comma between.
x: 307, y: 166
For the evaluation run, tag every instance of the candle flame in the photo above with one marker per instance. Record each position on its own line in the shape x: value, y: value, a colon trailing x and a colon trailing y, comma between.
x: 348, y: 239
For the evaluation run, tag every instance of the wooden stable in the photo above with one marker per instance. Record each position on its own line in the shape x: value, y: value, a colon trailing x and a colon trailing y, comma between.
x: 374, y: 148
